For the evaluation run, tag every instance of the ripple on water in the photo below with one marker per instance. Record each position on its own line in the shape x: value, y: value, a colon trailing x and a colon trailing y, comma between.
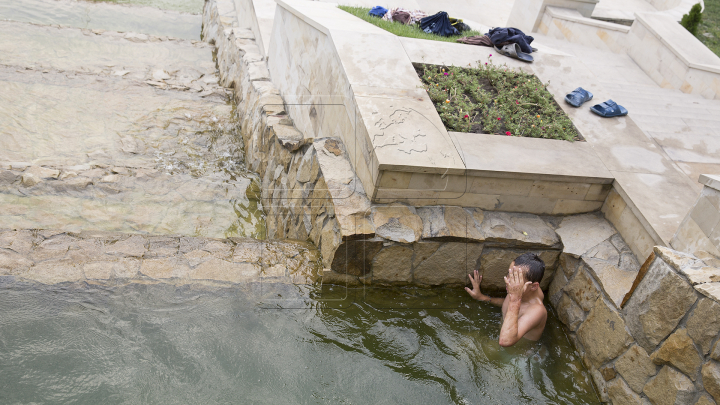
x: 195, y: 344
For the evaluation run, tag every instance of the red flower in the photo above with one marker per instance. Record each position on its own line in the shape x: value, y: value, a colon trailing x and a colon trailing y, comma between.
x: 466, y: 116
x: 508, y: 133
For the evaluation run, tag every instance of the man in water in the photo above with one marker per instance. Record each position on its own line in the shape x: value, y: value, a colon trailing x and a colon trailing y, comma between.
x: 524, y: 314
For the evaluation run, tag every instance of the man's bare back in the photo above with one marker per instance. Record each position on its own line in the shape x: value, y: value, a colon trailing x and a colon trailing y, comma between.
x: 524, y: 314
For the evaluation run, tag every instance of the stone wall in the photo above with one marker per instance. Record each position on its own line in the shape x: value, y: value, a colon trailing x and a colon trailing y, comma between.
x: 570, y: 25
x: 650, y: 338
x: 311, y: 192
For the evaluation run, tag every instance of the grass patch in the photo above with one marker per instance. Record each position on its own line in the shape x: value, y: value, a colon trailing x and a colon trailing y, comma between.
x: 496, y: 100
x: 400, y: 29
x: 710, y: 24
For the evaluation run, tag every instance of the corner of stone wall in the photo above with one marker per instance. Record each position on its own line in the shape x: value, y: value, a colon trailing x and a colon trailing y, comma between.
x: 652, y: 337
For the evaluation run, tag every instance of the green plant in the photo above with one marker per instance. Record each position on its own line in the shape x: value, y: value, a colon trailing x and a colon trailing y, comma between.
x: 495, y: 99
x: 399, y: 29
x: 691, y: 20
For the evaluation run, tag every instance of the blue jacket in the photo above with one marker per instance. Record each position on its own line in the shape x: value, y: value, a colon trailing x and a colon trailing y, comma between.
x: 500, y: 35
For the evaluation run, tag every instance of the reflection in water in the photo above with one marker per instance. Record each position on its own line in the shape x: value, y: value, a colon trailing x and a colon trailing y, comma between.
x: 272, y: 344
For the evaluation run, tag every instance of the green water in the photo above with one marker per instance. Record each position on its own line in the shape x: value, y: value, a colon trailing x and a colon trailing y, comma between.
x: 272, y: 344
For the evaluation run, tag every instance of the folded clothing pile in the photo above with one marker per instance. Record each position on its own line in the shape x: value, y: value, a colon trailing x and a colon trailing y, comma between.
x: 510, y: 42
x: 404, y: 15
x: 440, y: 23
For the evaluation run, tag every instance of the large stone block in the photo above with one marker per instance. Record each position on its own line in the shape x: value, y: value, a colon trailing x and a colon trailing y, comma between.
x: 679, y: 351
x: 603, y: 334
x: 635, y: 367
x: 449, y: 264
x: 398, y: 223
x: 494, y: 265
x: 658, y: 303
x: 613, y: 280
x: 580, y: 233
x: 521, y: 230
x: 704, y: 323
x: 670, y: 387
x: 711, y: 378
x: 558, y: 283
x: 620, y: 393
x: 583, y: 290
x: 569, y: 312
x: 393, y: 265
x: 569, y: 264
x: 705, y: 399
x: 452, y: 223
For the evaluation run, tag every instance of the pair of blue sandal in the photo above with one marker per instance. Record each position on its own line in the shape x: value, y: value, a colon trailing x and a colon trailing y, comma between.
x: 607, y: 109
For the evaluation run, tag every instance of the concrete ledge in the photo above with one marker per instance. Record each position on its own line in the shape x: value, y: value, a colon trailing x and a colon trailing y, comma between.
x: 672, y: 56
x: 530, y: 158
x: 681, y: 42
x: 575, y: 16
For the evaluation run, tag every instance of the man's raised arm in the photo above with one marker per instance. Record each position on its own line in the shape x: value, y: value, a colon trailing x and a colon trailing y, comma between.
x: 513, y: 328
x: 477, y: 294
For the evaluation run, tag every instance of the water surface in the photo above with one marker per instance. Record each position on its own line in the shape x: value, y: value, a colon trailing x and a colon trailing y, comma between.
x: 296, y: 345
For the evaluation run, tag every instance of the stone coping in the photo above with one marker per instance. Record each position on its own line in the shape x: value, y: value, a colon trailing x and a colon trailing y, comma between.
x: 710, y: 180
x: 325, y: 17
x: 683, y: 44
x: 575, y: 16
x: 530, y: 158
x: 648, y: 181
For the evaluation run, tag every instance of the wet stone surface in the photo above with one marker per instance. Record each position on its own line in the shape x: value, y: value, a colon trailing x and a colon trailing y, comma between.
x: 122, y: 132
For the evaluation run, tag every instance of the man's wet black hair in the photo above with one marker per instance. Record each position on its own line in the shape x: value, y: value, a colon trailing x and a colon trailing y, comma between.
x: 535, y: 267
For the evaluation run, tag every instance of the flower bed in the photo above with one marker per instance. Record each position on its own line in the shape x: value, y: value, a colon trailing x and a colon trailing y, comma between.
x: 496, y: 100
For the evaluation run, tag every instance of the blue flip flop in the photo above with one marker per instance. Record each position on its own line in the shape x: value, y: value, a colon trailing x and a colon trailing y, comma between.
x: 609, y: 109
x: 578, y: 96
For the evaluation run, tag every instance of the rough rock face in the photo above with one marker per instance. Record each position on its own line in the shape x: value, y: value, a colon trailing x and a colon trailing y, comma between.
x: 657, y: 305
x: 635, y: 367
x: 452, y: 223
x: 54, y: 257
x: 670, y: 387
x: 450, y: 264
x: 620, y: 393
x: 679, y: 351
x: 393, y: 265
x: 711, y: 379
x: 397, y: 223
x: 580, y: 233
x: 603, y: 334
x: 521, y: 230
x: 704, y: 323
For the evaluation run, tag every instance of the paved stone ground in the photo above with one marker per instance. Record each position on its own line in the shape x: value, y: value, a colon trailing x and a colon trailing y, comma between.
x: 684, y: 126
x: 123, y: 132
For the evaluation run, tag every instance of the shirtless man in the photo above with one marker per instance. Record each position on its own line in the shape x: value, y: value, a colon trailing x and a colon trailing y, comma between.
x: 524, y: 314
